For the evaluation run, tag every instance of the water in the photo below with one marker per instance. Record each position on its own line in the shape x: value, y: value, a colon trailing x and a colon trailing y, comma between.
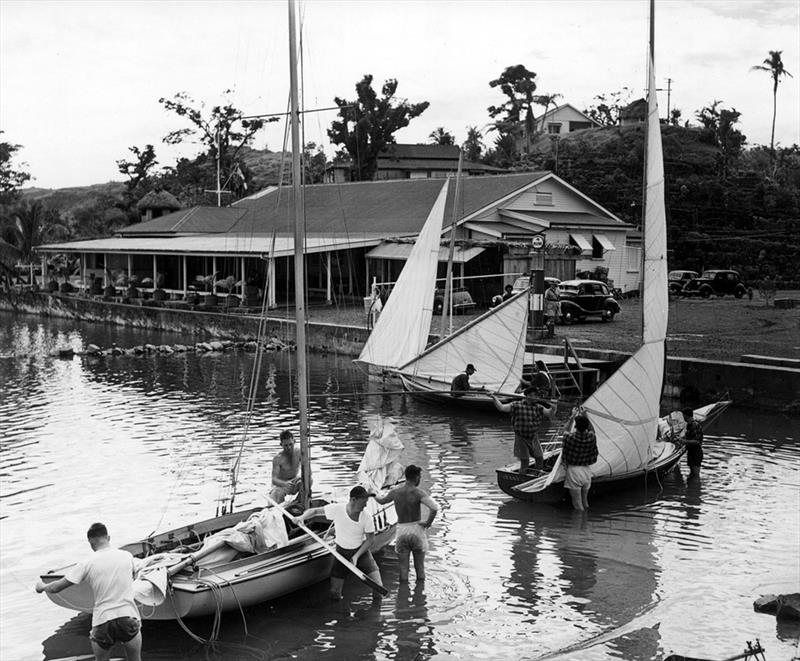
x: 144, y: 444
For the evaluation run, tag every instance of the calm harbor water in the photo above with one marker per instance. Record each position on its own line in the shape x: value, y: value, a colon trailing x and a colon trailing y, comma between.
x: 144, y: 444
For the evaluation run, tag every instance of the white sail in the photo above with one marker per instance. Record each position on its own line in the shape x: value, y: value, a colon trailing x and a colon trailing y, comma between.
x: 402, y: 330
x: 494, y: 343
x: 624, y: 410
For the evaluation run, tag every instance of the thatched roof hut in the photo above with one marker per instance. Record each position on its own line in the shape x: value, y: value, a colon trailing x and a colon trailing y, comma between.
x: 156, y: 203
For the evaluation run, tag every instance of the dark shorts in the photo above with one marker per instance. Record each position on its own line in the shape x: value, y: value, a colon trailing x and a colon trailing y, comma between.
x: 694, y: 455
x: 366, y: 563
x: 119, y: 630
x: 526, y: 448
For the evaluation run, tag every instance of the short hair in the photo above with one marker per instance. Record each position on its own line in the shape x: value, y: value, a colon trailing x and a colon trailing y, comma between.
x: 509, y: 287
x: 96, y: 530
x: 286, y: 434
x: 358, y: 492
x: 530, y: 390
x: 688, y: 413
x: 540, y: 364
x: 581, y: 422
x: 470, y: 366
x: 412, y: 471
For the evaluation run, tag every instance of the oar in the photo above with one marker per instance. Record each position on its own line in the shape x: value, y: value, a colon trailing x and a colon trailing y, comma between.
x: 359, y: 574
x: 194, y: 557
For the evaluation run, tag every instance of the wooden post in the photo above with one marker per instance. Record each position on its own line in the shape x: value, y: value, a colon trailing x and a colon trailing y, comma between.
x: 155, y: 271
x: 214, y: 273
x: 241, y: 284
x: 185, y: 277
x: 44, y: 271
x: 105, y: 271
x: 271, y: 302
x: 130, y: 268
x: 328, y: 298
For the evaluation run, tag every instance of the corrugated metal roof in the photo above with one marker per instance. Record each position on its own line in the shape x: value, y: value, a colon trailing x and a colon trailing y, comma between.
x: 401, y: 251
x: 556, y: 218
x: 196, y: 220
x: 401, y: 151
x: 446, y: 165
x: 214, y: 244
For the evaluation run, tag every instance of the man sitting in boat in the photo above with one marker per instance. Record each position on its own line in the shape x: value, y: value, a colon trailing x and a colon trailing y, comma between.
x: 460, y: 384
x: 526, y: 416
x: 578, y: 454
x: 355, y: 529
x: 286, y: 479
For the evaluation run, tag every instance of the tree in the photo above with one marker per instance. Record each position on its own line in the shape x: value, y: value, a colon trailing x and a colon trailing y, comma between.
x: 314, y: 163
x: 473, y: 145
x: 607, y: 108
x: 719, y: 127
x: 545, y: 100
x: 367, y: 125
x: 138, y: 171
x: 519, y: 85
x: 774, y: 66
x: 441, y: 136
x: 222, y: 133
x: 675, y: 117
x: 27, y: 226
x: 11, y: 178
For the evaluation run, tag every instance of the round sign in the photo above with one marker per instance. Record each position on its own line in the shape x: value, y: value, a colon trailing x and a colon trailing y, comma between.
x: 538, y: 242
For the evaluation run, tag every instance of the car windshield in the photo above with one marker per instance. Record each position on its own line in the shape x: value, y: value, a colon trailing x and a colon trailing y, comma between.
x: 709, y: 274
x: 521, y: 283
x: 568, y: 288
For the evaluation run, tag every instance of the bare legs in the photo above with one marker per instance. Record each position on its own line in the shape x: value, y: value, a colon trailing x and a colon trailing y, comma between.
x: 338, y: 583
x: 133, y: 649
x: 580, y: 498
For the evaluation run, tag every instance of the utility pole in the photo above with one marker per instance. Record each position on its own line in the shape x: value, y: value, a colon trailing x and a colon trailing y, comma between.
x: 669, y: 94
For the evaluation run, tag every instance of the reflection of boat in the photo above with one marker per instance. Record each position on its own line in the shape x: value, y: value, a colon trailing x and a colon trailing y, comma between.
x: 198, y: 573
x: 624, y: 410
x: 494, y: 343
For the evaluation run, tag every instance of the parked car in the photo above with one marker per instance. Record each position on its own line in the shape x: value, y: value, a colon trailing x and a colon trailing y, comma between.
x: 523, y: 282
x: 677, y: 279
x: 462, y: 301
x: 586, y: 298
x: 718, y: 282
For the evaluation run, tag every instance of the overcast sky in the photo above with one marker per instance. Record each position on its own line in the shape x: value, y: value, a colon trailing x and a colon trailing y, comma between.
x: 80, y: 81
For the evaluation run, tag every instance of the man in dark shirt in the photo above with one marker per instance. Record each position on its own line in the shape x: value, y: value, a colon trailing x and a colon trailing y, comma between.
x: 460, y: 384
x: 578, y: 453
x: 694, y: 443
x: 526, y: 416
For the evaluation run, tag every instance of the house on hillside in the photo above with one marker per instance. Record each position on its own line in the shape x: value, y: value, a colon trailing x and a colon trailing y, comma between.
x: 403, y: 161
x: 634, y: 113
x: 565, y: 118
x: 361, y: 232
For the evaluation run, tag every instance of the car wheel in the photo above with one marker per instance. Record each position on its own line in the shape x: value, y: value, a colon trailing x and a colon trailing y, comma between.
x: 705, y: 292
x: 608, y: 314
x: 738, y: 293
x: 438, y: 307
x: 567, y: 318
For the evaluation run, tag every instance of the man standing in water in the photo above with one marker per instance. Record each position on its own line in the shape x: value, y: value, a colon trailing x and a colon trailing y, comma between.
x: 579, y: 453
x: 355, y: 530
x: 109, y: 573
x: 411, y: 537
x: 526, y: 416
x: 286, y: 479
x: 693, y: 440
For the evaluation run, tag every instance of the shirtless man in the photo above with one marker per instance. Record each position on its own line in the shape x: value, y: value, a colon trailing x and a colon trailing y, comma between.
x: 286, y: 479
x: 411, y: 531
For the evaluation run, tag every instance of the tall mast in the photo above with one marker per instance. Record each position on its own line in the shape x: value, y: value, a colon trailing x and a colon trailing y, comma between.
x: 299, y: 263
x: 447, y: 299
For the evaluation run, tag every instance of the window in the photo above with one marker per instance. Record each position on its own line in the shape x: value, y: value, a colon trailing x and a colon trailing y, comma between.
x: 580, y: 241
x: 597, y: 248
x: 554, y: 128
x: 579, y: 126
x: 545, y: 199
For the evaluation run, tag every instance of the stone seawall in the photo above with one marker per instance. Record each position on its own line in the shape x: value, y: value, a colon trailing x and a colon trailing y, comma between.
x: 762, y: 386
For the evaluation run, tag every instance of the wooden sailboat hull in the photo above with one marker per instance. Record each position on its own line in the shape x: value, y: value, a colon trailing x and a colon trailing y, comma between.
x: 231, y: 585
x: 438, y: 392
x: 509, y: 477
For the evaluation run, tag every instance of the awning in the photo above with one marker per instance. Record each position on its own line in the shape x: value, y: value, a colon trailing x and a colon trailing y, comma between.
x: 602, y: 239
x: 401, y: 251
x: 581, y: 242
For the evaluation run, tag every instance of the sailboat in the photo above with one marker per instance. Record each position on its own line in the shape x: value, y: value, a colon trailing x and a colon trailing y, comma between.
x: 624, y: 410
x: 200, y: 569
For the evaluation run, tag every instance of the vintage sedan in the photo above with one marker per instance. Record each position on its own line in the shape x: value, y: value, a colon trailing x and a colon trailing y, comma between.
x: 717, y: 282
x: 677, y: 279
x: 586, y: 298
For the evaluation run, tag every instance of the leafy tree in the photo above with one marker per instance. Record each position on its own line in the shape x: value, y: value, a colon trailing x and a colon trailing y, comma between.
x: 774, y: 66
x: 675, y: 117
x: 28, y: 225
x: 314, y: 163
x: 11, y: 178
x: 222, y: 132
x: 607, y: 107
x: 138, y: 171
x: 441, y: 136
x: 545, y: 100
x: 367, y: 125
x: 519, y: 85
x: 504, y: 154
x: 720, y: 130
x: 473, y: 145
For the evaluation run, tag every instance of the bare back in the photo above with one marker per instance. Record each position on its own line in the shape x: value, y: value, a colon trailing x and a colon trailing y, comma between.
x: 407, y: 501
x: 286, y: 466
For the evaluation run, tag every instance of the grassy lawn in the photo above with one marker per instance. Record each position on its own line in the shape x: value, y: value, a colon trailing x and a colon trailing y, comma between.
x: 713, y: 329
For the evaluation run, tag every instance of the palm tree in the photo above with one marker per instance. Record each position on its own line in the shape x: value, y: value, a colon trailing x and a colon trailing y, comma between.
x: 26, y: 227
x: 545, y: 100
x: 774, y: 66
x: 441, y: 136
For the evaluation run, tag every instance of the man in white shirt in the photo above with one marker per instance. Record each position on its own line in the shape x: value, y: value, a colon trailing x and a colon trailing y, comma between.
x: 109, y: 573
x: 355, y: 531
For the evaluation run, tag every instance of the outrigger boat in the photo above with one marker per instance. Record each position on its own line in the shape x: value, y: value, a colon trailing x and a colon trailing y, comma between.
x: 191, y: 570
x: 625, y: 409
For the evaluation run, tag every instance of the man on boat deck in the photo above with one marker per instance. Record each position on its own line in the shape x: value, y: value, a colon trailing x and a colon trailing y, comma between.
x: 526, y: 416
x: 355, y: 531
x: 693, y: 440
x: 109, y: 573
x: 460, y: 384
x: 286, y: 479
x: 411, y: 536
x: 579, y: 453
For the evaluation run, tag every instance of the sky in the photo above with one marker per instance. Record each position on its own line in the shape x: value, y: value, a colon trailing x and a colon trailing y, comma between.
x: 80, y: 81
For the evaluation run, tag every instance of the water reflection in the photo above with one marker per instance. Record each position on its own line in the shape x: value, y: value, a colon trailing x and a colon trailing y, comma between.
x: 145, y: 443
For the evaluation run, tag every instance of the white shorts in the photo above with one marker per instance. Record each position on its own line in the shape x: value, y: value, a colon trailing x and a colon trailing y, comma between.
x: 578, y: 477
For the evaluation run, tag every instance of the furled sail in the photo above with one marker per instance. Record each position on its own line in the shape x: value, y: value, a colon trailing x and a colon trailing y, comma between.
x: 624, y: 410
x: 494, y: 343
x: 402, y: 330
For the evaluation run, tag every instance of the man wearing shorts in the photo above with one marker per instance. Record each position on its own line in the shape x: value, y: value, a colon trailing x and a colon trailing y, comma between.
x: 355, y: 531
x: 109, y: 573
x: 411, y: 537
x: 578, y: 454
x: 693, y: 439
x: 526, y: 416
